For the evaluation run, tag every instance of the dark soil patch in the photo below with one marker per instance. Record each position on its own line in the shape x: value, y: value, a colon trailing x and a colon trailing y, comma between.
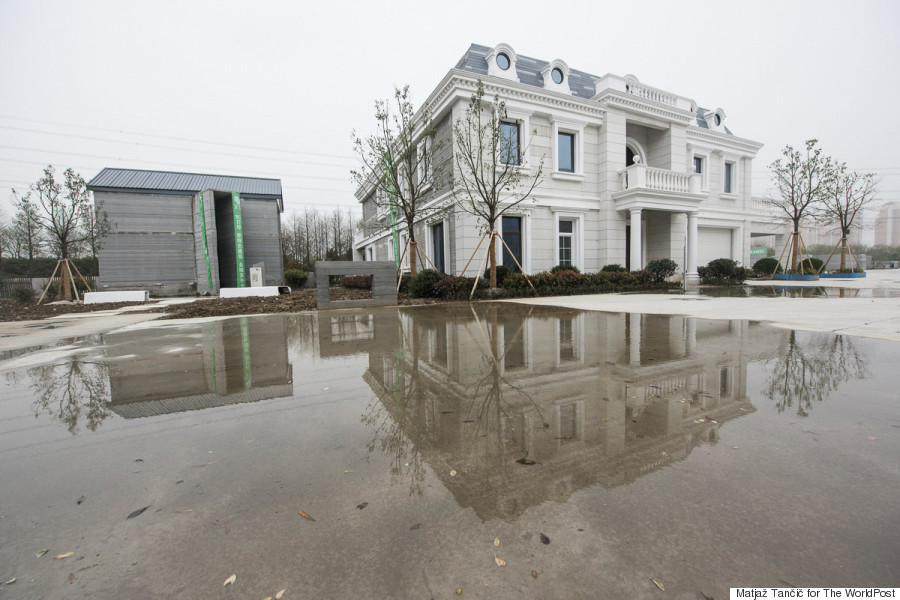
x: 299, y: 301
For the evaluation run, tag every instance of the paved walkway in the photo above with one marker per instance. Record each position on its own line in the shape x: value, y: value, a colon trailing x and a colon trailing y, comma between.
x: 875, y: 317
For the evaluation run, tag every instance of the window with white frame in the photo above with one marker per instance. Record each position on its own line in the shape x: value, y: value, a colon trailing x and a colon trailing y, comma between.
x: 404, y: 251
x: 568, y: 227
x: 700, y: 168
x: 566, y: 241
x: 728, y: 178
x: 565, y: 151
x: 510, y: 148
x: 370, y: 253
x: 568, y: 149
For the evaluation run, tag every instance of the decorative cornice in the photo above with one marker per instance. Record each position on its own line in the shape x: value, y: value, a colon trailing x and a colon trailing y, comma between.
x: 640, y: 105
x: 464, y: 83
x: 724, y: 139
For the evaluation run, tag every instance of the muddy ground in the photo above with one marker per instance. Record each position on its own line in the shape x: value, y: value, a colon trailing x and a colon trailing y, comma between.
x: 298, y: 301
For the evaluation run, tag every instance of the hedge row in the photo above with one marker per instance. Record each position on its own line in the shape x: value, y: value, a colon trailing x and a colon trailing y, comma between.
x: 431, y: 284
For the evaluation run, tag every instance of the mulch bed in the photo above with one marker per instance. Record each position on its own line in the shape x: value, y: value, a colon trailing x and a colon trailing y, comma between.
x: 299, y: 301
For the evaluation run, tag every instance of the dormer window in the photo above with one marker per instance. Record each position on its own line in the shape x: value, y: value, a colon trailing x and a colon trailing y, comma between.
x: 717, y: 119
x: 501, y: 62
x: 557, y: 75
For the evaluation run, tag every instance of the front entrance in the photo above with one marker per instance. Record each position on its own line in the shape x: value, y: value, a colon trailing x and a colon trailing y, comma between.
x: 512, y: 235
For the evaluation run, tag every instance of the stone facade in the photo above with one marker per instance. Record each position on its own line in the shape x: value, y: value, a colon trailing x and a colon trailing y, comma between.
x: 652, y: 174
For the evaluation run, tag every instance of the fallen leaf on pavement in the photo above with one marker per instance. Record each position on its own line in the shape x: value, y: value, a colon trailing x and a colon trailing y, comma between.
x: 305, y: 515
x: 496, y: 541
x: 41, y: 553
x: 11, y: 581
x: 606, y: 419
x: 80, y: 500
x: 658, y: 583
x: 230, y: 580
x: 526, y: 461
x: 62, y: 556
x: 459, y: 591
x: 453, y: 473
x: 534, y: 574
x: 416, y: 526
x: 544, y: 539
x: 362, y: 506
x: 500, y: 562
x: 137, y: 512
x: 871, y: 438
x: 279, y: 595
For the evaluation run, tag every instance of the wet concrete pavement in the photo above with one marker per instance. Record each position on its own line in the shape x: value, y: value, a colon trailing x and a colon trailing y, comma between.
x: 704, y: 454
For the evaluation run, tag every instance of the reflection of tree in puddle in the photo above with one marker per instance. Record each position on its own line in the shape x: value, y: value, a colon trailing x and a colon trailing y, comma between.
x: 590, y: 398
x: 72, y: 391
x: 810, y: 369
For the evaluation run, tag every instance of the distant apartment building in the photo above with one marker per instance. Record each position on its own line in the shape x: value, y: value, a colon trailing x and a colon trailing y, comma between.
x: 887, y: 225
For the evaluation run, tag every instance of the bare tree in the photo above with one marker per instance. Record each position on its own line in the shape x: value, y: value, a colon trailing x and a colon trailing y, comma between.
x: 801, y: 183
x: 398, y: 163
x: 28, y: 235
x: 847, y: 194
x: 490, y: 177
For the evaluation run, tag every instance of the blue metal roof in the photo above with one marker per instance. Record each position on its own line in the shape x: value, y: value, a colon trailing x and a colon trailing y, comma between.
x: 168, y: 181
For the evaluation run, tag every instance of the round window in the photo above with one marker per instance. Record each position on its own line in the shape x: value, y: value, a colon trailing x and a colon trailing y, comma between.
x: 718, y: 120
x: 503, y: 61
x: 557, y: 75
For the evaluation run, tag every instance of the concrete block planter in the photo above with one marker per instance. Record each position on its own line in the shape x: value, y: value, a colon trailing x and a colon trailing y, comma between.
x: 791, y: 277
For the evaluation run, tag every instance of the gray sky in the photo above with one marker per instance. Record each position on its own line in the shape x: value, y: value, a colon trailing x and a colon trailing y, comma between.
x: 274, y: 89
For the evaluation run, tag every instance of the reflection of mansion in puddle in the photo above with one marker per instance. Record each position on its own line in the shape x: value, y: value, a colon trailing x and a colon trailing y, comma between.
x: 228, y: 362
x: 591, y: 397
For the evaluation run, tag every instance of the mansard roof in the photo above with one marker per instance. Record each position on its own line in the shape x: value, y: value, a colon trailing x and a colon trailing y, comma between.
x: 528, y: 71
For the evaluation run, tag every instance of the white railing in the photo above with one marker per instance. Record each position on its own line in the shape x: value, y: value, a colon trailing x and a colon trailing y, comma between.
x: 650, y: 93
x: 662, y: 180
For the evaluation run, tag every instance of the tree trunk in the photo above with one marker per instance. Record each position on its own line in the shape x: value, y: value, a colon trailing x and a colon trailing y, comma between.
x: 493, y: 261
x: 795, y: 249
x: 66, y: 279
x: 413, y: 250
x: 843, y: 252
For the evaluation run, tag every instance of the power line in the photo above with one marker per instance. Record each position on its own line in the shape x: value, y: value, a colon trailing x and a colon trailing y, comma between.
x: 176, y: 138
x: 82, y: 155
x: 164, y: 147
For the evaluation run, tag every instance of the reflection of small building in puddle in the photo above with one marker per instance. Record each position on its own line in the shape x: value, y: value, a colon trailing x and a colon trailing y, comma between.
x: 228, y: 362
x: 592, y: 398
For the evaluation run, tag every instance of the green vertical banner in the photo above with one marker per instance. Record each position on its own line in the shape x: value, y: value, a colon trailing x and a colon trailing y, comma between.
x: 238, y: 239
x: 205, y: 243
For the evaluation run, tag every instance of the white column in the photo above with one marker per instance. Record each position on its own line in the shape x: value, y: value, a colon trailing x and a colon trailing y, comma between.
x: 691, y: 275
x: 634, y: 340
x: 636, y: 244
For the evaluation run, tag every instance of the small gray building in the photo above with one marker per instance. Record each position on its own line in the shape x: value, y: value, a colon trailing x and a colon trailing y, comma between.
x: 187, y: 233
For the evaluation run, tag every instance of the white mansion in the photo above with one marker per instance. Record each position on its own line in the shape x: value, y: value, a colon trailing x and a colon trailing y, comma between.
x: 631, y: 173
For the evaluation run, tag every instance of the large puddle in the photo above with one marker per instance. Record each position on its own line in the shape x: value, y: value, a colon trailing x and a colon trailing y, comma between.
x: 702, y: 454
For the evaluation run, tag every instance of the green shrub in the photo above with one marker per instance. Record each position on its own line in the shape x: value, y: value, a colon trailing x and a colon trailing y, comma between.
x: 810, y: 264
x: 23, y: 294
x: 567, y: 277
x: 357, y: 282
x: 295, y: 278
x: 451, y: 287
x: 565, y: 268
x: 723, y: 271
x: 613, y: 268
x: 767, y: 266
x: 661, y: 268
x: 422, y: 285
x: 515, y: 281
x: 404, y: 283
x: 502, y: 273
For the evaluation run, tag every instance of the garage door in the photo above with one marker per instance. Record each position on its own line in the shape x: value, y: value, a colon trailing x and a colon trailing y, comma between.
x: 714, y: 243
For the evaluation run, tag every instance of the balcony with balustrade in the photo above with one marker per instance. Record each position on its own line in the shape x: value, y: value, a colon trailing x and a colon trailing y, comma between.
x: 658, y: 189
